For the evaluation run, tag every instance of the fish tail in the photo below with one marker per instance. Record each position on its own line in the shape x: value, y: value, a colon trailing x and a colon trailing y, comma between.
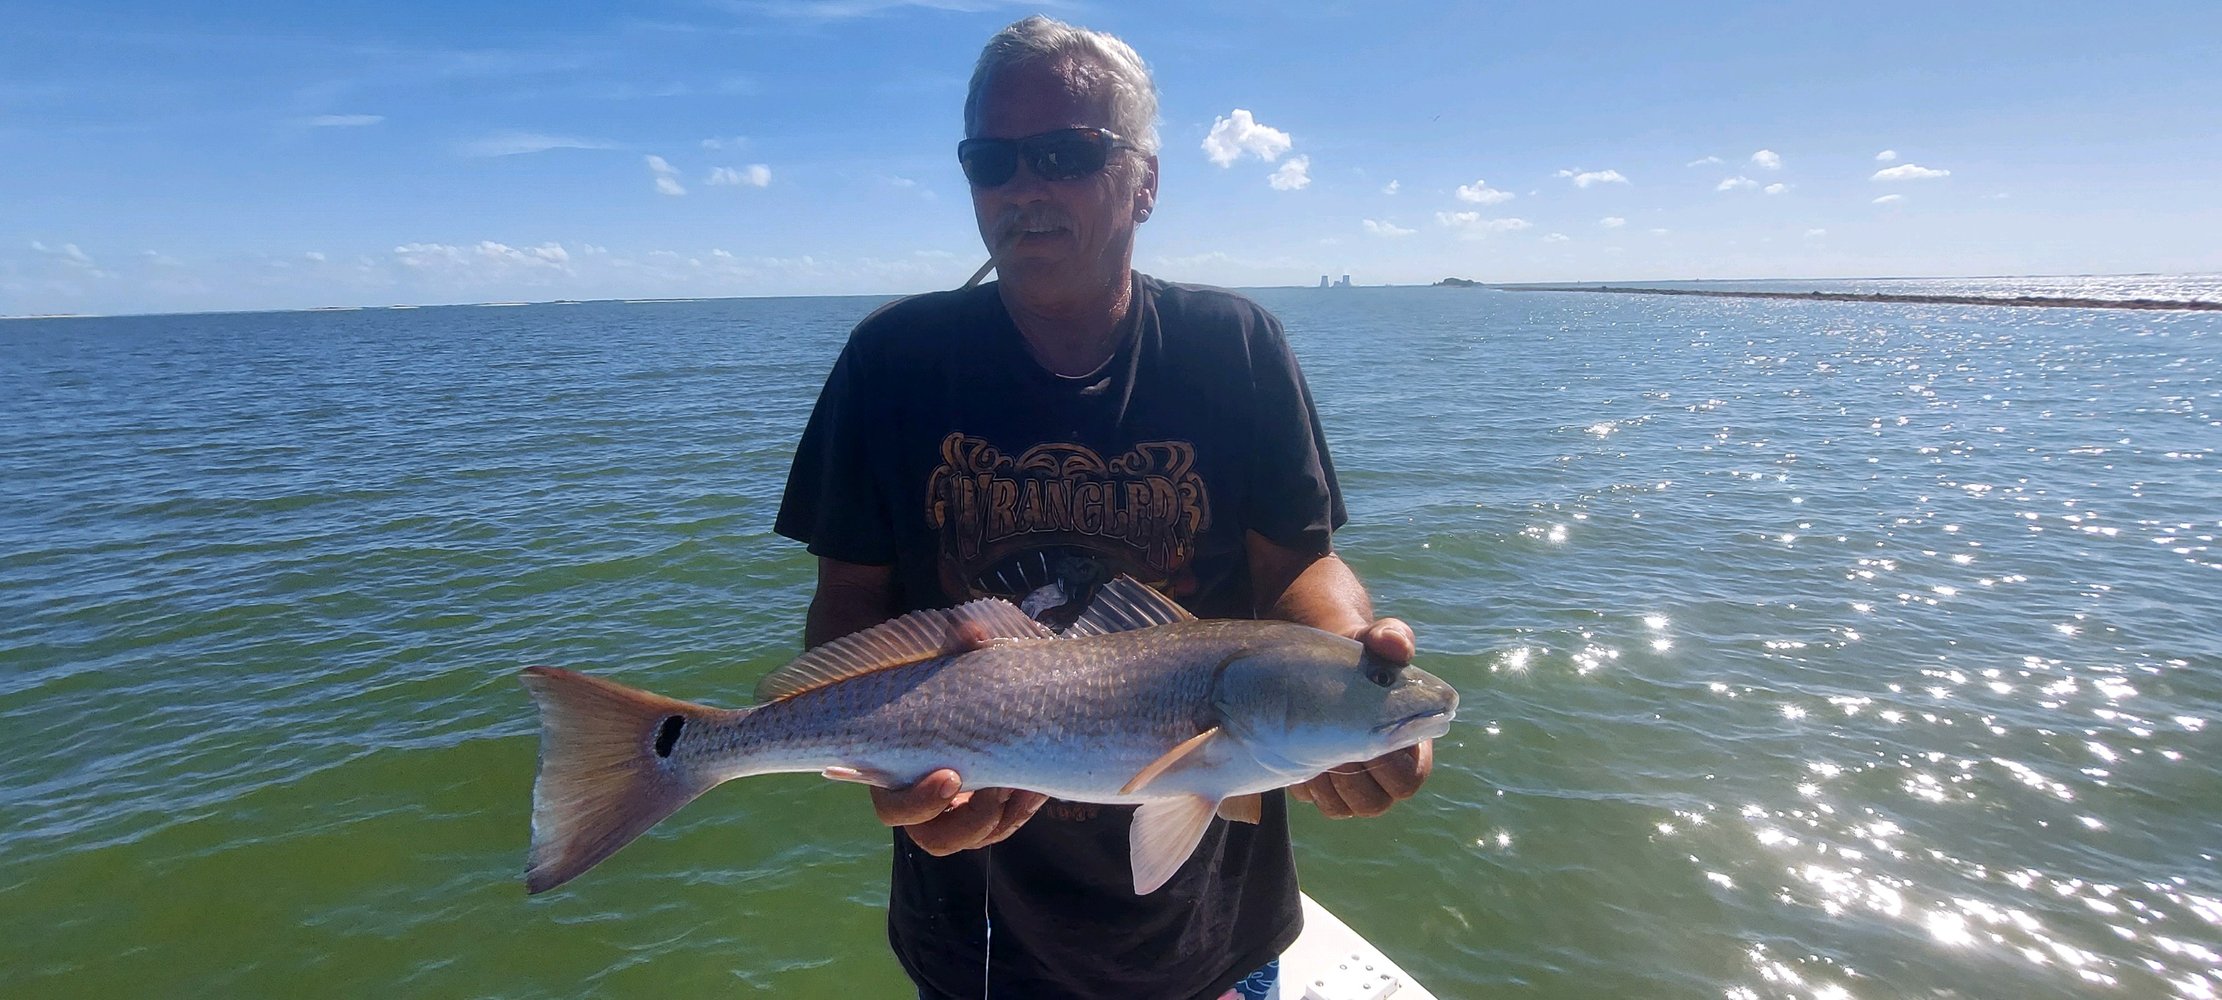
x: 607, y: 770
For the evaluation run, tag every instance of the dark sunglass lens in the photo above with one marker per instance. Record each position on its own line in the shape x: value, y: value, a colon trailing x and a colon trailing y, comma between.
x: 1068, y: 155
x: 988, y: 162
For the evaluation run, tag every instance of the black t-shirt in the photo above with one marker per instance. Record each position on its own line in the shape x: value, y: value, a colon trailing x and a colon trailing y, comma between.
x: 941, y: 448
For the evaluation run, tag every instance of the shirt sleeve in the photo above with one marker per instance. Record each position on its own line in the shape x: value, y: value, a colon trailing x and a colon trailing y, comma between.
x: 1293, y: 497
x: 834, y: 503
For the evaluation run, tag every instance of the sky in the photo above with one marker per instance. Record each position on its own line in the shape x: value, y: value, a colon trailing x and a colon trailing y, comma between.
x: 164, y: 157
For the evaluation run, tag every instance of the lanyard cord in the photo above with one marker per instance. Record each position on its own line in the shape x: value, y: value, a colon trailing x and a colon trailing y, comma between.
x: 987, y: 923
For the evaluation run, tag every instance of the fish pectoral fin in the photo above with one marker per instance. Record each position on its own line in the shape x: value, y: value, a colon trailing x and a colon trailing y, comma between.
x: 1164, y: 833
x: 1190, y: 751
x: 1242, y: 808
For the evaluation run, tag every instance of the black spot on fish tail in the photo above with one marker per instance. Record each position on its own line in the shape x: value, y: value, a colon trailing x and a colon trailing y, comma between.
x: 667, y: 734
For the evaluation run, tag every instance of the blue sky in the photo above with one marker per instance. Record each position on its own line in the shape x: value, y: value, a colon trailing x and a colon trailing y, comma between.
x: 254, y: 155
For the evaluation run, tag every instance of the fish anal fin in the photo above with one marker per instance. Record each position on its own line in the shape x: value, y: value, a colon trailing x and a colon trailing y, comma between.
x: 913, y: 638
x: 1123, y: 605
x: 1164, y: 833
x: 1190, y: 750
x: 1242, y: 808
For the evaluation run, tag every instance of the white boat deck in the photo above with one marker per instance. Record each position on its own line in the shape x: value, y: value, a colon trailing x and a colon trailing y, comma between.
x: 1329, y: 961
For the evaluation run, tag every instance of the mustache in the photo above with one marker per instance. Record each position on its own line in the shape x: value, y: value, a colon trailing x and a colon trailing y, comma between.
x: 1017, y: 220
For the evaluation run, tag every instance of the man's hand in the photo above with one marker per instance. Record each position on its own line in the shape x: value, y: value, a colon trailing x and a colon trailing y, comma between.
x: 942, y: 820
x: 1369, y: 788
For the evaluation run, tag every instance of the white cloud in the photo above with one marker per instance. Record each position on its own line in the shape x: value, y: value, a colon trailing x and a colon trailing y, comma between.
x: 1238, y: 133
x: 1556, y: 238
x: 1704, y: 161
x: 1584, y: 178
x: 1908, y: 172
x: 1886, y: 156
x: 735, y: 142
x: 1777, y: 188
x: 1736, y: 183
x: 2001, y: 196
x: 1293, y: 175
x: 1767, y: 159
x: 757, y: 175
x: 484, y: 262
x: 667, y: 176
x: 1472, y: 226
x: 314, y: 257
x: 1391, y: 188
x: 1480, y: 193
x: 1890, y: 199
x: 1658, y: 232
x: 1391, y: 229
x: 516, y: 143
x: 342, y: 121
x: 1612, y: 222
x: 1815, y: 234
x: 67, y: 253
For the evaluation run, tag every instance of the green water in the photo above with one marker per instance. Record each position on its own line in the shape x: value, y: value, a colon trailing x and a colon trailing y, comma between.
x: 1808, y: 650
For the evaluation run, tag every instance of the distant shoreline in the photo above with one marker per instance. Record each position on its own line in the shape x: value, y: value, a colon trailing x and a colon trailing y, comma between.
x: 2040, y: 301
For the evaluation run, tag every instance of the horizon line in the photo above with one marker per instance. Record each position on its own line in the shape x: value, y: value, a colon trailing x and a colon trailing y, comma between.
x: 650, y: 300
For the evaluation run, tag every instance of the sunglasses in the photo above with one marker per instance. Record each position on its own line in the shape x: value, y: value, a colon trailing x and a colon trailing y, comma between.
x: 1061, y: 155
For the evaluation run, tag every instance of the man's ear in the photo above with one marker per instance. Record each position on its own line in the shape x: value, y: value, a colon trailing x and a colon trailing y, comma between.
x: 1145, y: 193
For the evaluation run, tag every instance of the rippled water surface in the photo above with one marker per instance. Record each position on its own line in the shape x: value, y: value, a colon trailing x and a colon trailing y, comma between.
x: 2103, y: 287
x: 1809, y: 649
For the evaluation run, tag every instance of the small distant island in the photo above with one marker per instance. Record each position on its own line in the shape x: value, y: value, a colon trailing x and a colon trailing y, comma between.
x: 1457, y: 283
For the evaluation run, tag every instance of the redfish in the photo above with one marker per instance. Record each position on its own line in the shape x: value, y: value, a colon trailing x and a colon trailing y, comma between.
x: 1137, y: 703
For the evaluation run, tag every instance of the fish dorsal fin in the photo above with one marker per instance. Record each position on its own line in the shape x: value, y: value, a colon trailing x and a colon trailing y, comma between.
x: 1125, y: 604
x: 913, y: 638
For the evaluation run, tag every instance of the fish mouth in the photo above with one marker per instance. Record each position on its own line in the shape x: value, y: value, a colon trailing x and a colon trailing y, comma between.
x: 1417, y: 717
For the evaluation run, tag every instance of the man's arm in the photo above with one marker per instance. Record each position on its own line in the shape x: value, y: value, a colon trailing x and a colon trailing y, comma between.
x: 940, y: 819
x: 850, y: 598
x: 1320, y: 590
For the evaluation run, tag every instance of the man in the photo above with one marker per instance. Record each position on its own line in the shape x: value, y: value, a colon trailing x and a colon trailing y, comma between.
x: 1031, y: 438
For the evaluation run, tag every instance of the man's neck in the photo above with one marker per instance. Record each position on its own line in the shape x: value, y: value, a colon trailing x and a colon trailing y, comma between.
x: 1077, y: 340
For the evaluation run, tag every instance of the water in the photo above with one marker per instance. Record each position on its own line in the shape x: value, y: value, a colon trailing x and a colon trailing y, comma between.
x: 2102, y: 287
x: 1809, y: 649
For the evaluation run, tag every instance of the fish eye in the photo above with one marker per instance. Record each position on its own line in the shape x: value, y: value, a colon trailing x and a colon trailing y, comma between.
x: 1382, y: 672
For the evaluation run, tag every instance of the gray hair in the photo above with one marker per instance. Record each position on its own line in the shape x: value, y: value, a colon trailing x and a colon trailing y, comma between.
x: 1101, y: 61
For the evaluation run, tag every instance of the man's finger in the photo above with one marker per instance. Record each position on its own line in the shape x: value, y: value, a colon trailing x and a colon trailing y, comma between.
x: 1362, y: 793
x: 962, y: 828
x: 1390, y: 639
x: 1328, y: 798
x: 1017, y: 809
x: 1403, y: 772
x: 933, y: 795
